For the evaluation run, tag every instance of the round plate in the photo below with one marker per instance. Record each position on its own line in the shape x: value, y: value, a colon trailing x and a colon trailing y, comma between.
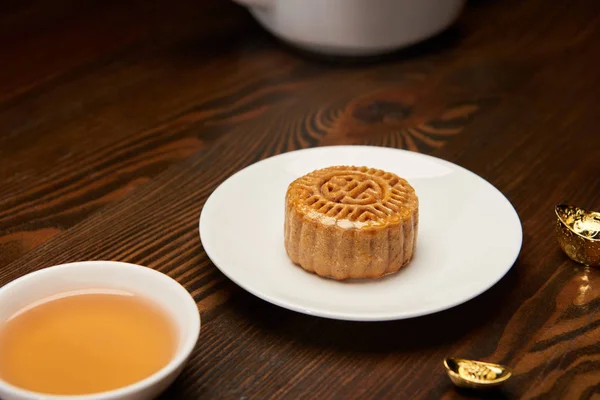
x: 469, y: 237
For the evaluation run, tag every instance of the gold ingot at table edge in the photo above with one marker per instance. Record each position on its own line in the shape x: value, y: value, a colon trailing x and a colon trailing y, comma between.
x: 578, y: 233
x: 473, y: 374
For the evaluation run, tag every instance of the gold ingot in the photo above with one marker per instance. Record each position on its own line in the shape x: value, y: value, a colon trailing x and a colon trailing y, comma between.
x: 578, y: 233
x: 476, y: 374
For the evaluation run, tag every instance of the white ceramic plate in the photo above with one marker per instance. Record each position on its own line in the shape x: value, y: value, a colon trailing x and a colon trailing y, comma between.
x: 469, y: 237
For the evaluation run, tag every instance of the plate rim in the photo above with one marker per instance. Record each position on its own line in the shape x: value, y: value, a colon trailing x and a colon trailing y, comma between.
x: 371, y: 317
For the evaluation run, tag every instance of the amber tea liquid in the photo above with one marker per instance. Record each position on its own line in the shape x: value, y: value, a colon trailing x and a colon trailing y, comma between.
x: 85, y: 342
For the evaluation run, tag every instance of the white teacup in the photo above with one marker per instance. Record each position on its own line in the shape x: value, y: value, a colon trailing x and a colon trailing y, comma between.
x: 354, y: 27
x: 148, y: 283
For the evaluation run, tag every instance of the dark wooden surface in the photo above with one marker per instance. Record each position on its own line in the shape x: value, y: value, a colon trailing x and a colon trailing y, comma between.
x: 118, y: 119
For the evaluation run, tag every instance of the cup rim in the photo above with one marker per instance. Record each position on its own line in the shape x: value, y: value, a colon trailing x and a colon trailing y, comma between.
x: 178, y: 359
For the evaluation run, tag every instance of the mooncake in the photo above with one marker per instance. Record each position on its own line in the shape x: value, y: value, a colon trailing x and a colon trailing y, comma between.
x: 347, y: 222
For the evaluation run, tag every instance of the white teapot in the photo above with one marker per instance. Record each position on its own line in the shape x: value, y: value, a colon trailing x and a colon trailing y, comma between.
x: 354, y: 27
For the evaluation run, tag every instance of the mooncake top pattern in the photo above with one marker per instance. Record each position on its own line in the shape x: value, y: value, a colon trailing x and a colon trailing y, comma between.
x: 353, y: 196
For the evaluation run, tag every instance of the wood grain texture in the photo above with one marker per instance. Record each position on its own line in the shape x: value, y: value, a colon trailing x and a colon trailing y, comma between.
x: 117, y: 120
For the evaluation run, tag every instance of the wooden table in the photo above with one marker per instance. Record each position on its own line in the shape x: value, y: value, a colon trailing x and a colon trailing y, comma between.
x: 118, y: 119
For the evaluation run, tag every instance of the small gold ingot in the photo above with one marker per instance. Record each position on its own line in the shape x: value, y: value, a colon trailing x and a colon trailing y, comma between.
x: 475, y: 374
x: 578, y: 233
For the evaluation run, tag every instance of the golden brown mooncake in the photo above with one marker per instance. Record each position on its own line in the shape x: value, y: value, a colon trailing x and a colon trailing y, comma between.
x: 351, y: 222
